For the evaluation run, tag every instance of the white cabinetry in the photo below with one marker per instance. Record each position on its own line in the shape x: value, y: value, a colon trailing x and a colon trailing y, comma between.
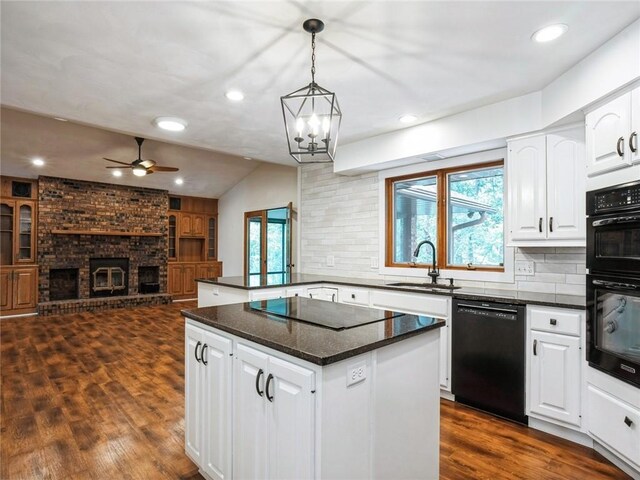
x: 555, y: 364
x: 208, y: 401
x: 328, y: 294
x: 612, y: 134
x: 273, y: 417
x: 546, y: 189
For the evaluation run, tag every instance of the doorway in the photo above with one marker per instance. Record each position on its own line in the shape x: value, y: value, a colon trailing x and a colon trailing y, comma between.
x: 267, y: 245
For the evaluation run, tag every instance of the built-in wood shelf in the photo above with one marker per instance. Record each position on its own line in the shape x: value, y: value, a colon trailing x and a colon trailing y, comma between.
x: 111, y: 233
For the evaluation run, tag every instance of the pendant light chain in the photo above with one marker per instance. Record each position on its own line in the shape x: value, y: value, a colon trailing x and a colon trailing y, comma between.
x: 313, y: 58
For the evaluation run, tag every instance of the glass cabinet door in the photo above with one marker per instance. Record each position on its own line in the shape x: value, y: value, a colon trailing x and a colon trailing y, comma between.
x: 6, y: 233
x: 173, y: 225
x: 211, y: 239
x: 25, y: 233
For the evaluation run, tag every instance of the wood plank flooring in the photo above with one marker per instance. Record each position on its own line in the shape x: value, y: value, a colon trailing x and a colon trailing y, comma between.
x: 101, y: 396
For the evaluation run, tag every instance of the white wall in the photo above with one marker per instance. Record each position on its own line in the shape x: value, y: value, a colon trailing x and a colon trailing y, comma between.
x: 339, y: 217
x: 268, y: 186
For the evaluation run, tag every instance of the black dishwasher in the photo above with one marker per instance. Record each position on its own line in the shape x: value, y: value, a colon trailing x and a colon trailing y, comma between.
x: 488, y: 357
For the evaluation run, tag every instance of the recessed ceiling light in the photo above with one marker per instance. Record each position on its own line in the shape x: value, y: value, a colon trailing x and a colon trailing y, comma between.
x: 38, y: 162
x: 234, y: 95
x: 173, y: 124
x: 179, y: 181
x: 117, y: 173
x: 247, y: 158
x: 549, y: 33
x: 60, y: 119
x: 408, y: 118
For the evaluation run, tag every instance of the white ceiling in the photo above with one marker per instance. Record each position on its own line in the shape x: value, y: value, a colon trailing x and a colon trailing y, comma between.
x: 75, y: 151
x: 118, y: 65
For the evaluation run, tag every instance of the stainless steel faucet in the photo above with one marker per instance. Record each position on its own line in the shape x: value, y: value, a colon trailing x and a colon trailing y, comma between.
x: 434, y: 273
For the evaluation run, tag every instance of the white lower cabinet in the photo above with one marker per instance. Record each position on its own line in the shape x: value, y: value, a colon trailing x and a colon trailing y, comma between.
x: 273, y: 417
x: 555, y: 365
x: 208, y: 364
x: 328, y: 294
x: 555, y: 377
x: 614, y: 423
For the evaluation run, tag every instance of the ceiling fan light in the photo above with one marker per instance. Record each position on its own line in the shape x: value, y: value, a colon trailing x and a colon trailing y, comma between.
x: 172, y: 124
x: 139, y: 171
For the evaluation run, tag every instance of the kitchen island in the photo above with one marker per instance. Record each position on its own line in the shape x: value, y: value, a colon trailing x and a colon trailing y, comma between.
x: 301, y: 388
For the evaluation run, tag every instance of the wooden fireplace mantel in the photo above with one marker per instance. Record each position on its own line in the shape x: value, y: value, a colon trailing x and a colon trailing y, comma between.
x: 112, y: 233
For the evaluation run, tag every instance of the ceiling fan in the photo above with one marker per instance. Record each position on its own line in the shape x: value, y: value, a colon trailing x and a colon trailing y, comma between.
x: 140, y: 167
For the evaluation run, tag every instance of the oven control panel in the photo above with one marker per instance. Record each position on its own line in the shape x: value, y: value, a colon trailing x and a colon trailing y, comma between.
x: 621, y: 198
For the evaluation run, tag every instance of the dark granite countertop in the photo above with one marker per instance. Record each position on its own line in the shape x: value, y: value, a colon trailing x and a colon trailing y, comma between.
x: 313, y: 343
x: 519, y: 297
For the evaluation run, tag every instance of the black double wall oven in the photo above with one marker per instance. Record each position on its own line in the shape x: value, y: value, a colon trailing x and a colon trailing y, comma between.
x: 613, y: 282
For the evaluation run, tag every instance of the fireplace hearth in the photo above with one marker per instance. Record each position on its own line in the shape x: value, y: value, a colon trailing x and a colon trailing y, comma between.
x: 109, y: 277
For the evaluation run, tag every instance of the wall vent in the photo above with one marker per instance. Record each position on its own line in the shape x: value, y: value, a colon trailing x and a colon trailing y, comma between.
x: 432, y: 156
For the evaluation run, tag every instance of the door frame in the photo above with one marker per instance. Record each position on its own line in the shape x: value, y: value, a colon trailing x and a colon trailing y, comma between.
x: 264, y: 218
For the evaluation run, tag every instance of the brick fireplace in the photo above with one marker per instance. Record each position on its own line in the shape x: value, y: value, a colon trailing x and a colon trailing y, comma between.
x: 80, y: 223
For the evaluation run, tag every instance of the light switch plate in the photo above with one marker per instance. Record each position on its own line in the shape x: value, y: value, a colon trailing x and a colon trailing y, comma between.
x: 356, y: 373
x: 374, y: 262
x: 331, y: 261
x: 524, y: 267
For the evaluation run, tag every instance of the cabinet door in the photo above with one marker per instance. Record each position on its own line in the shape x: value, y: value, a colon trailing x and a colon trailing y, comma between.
x: 186, y: 225
x: 25, y: 287
x: 291, y: 421
x: 193, y: 380
x: 566, y: 177
x: 175, y: 279
x: 216, y: 441
x: 249, y: 414
x: 634, y: 136
x: 25, y: 232
x: 444, y: 357
x: 527, y: 188
x: 604, y: 127
x: 6, y: 289
x: 173, y: 237
x: 189, y: 279
x: 555, y: 376
x: 7, y: 223
x: 202, y: 270
x: 197, y: 225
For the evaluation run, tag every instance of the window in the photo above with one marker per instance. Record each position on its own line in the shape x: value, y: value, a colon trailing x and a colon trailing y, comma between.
x: 460, y: 210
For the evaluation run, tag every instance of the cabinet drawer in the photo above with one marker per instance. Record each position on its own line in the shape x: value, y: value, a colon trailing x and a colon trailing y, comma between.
x: 354, y: 296
x: 556, y: 321
x: 608, y: 423
x: 411, y: 303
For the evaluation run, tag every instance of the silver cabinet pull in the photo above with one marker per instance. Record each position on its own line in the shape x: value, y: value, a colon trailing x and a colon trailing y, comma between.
x: 620, y: 147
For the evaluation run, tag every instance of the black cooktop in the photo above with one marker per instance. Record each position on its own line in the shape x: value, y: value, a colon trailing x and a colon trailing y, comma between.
x: 336, y: 316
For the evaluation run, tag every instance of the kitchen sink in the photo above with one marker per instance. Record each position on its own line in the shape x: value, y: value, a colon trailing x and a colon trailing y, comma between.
x: 426, y: 286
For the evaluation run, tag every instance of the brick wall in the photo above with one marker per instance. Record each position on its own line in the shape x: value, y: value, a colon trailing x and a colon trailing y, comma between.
x: 65, y: 204
x: 339, y: 218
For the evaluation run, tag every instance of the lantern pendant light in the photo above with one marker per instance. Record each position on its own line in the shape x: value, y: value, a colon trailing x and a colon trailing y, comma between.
x: 311, y: 114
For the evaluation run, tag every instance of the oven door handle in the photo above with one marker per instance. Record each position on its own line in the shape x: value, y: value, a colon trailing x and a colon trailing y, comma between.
x: 625, y: 286
x: 609, y: 221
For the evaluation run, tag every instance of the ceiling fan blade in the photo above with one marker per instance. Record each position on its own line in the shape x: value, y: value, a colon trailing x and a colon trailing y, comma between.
x: 148, y: 163
x: 128, y: 166
x: 116, y: 161
x: 158, y: 168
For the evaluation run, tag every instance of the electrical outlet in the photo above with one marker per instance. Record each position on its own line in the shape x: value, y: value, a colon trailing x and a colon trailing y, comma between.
x: 331, y: 261
x: 524, y: 267
x: 356, y: 373
x: 374, y: 262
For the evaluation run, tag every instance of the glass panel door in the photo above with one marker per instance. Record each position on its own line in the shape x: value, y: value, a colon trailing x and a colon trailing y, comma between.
x: 211, y: 239
x: 268, y: 245
x: 24, y: 232
x: 6, y: 234
x: 172, y: 237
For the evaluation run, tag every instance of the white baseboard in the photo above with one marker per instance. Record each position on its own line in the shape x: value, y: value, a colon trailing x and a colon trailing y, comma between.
x: 447, y: 395
x: 34, y: 314
x: 562, y: 432
x: 184, y: 300
x: 626, y: 468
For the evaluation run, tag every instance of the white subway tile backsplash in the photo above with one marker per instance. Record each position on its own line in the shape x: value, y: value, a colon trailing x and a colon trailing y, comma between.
x: 339, y: 217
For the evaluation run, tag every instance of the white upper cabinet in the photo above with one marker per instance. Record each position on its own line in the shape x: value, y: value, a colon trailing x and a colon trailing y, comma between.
x: 546, y: 189
x: 527, y: 179
x: 608, y: 129
x: 634, y: 141
x: 566, y: 180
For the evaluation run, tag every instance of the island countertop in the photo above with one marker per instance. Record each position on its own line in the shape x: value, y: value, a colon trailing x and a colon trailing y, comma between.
x: 314, y: 343
x: 482, y: 294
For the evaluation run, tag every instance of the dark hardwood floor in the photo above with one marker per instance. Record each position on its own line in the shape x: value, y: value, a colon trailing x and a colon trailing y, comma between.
x: 100, y: 396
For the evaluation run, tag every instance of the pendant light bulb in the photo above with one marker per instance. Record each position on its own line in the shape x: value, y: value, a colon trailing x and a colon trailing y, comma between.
x: 139, y: 171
